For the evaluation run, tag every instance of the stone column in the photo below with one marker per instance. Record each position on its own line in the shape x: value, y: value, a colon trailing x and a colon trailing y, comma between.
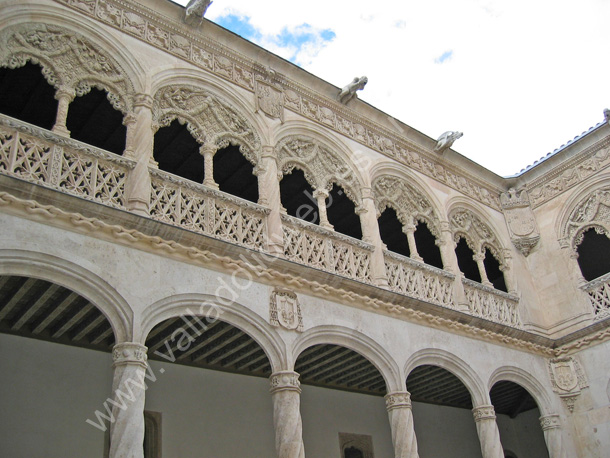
x: 551, y: 427
x: 479, y: 258
x: 64, y: 96
x: 270, y: 196
x: 207, y: 151
x: 285, y: 393
x: 398, y: 404
x: 370, y: 234
x: 487, y: 429
x: 447, y: 246
x: 128, y: 389
x: 139, y: 147
x: 321, y: 195
x: 409, y: 230
x: 507, y: 271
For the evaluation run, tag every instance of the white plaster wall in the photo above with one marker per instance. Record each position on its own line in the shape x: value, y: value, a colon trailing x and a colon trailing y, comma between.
x: 48, y: 391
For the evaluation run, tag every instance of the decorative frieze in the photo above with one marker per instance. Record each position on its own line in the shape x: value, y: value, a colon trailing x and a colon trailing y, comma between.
x: 520, y: 220
x: 567, y: 379
x: 285, y: 310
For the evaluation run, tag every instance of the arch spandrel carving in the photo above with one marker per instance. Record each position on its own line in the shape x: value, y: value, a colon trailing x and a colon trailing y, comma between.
x: 209, y: 118
x: 69, y: 60
x: 322, y: 167
x: 410, y: 204
x: 478, y: 235
x: 591, y: 212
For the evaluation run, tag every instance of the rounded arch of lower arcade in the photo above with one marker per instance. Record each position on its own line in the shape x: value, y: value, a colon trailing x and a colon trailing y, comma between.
x: 75, y: 278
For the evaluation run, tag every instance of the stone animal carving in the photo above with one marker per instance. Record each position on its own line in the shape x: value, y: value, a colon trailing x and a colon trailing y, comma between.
x: 195, y: 10
x: 349, y: 91
x: 607, y: 115
x: 446, y: 140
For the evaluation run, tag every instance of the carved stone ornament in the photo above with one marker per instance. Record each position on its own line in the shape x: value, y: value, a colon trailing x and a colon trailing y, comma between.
x: 446, y: 140
x: 129, y: 353
x: 68, y: 60
x: 398, y: 400
x: 484, y: 413
x: 520, y: 220
x: 361, y: 442
x: 550, y: 422
x: 349, y: 92
x: 284, y: 381
x: 285, y: 310
x: 209, y: 118
x: 195, y: 10
x: 269, y: 100
x: 478, y: 235
x: 592, y: 211
x: 567, y: 379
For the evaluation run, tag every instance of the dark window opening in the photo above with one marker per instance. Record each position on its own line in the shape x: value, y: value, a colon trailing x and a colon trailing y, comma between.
x: 390, y: 229
x: 297, y: 197
x: 26, y: 95
x: 353, y: 452
x: 152, y: 434
x: 177, y: 152
x: 341, y: 213
x: 468, y: 266
x: 426, y: 245
x: 594, y: 255
x: 93, y: 120
x: 233, y: 173
x: 492, y: 269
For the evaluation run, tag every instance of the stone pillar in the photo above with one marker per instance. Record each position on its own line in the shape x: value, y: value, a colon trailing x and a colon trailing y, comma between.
x: 409, y: 230
x: 487, y: 429
x: 285, y: 393
x: 450, y: 263
x: 370, y: 234
x: 207, y: 151
x: 64, y: 96
x: 479, y: 258
x: 321, y: 195
x: 139, y: 147
x: 270, y: 196
x: 398, y: 404
x: 128, y: 389
x: 507, y: 271
x: 551, y: 427
x: 575, y: 268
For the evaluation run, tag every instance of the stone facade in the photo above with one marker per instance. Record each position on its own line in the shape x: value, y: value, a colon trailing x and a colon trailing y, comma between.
x: 221, y: 277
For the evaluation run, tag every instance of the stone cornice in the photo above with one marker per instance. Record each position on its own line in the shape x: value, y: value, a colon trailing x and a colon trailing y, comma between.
x: 50, y: 214
x: 204, y: 52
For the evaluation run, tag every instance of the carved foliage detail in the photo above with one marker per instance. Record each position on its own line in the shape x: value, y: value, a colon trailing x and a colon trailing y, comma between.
x: 592, y: 211
x: 478, y: 235
x: 209, y: 118
x: 68, y: 59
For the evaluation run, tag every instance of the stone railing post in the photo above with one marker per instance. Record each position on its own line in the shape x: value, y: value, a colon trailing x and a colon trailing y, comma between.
x: 370, y: 234
x: 128, y: 389
x: 286, y: 396
x: 487, y: 429
x: 270, y: 196
x: 207, y: 151
x: 551, y: 427
x: 321, y: 195
x: 64, y: 96
x: 398, y: 405
x: 139, y: 147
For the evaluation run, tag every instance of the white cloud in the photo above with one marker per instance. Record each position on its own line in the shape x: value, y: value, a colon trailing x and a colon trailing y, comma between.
x: 522, y: 78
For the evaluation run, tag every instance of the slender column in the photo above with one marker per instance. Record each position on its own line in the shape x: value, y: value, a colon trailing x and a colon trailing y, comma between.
x: 479, y: 258
x: 575, y: 268
x: 321, y: 195
x: 507, y: 271
x: 487, y: 429
x: 370, y: 234
x: 398, y: 404
x: 128, y: 388
x: 551, y: 427
x: 64, y: 96
x: 269, y: 196
x: 450, y: 263
x: 285, y: 393
x: 409, y: 230
x: 139, y: 147
x: 207, y: 151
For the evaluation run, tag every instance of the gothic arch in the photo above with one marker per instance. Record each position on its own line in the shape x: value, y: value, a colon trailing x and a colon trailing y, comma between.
x: 355, y: 341
x: 527, y: 381
x: 72, y: 61
x: 230, y: 312
x: 459, y: 368
x: 209, y: 117
x: 76, y: 278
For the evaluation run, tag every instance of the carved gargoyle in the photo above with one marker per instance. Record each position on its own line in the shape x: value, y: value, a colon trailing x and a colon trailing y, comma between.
x: 446, y: 140
x: 349, y: 91
x: 195, y: 10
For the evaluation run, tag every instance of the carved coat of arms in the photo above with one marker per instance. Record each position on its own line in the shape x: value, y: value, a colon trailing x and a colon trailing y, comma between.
x: 564, y: 374
x: 567, y: 379
x: 285, y: 310
x: 269, y: 100
x: 520, y: 220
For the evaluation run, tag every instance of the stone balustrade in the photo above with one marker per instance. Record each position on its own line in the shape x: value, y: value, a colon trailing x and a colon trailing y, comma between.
x: 492, y: 304
x: 599, y: 296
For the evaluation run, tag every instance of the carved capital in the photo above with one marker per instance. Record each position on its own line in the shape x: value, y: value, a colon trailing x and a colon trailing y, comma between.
x: 550, y: 422
x: 143, y: 100
x: 65, y: 92
x: 208, y: 148
x: 129, y: 353
x: 284, y: 381
x: 320, y: 193
x: 398, y: 400
x: 484, y: 413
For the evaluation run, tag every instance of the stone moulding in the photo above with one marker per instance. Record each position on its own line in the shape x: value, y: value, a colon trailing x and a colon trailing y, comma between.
x: 49, y: 214
x: 204, y: 52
